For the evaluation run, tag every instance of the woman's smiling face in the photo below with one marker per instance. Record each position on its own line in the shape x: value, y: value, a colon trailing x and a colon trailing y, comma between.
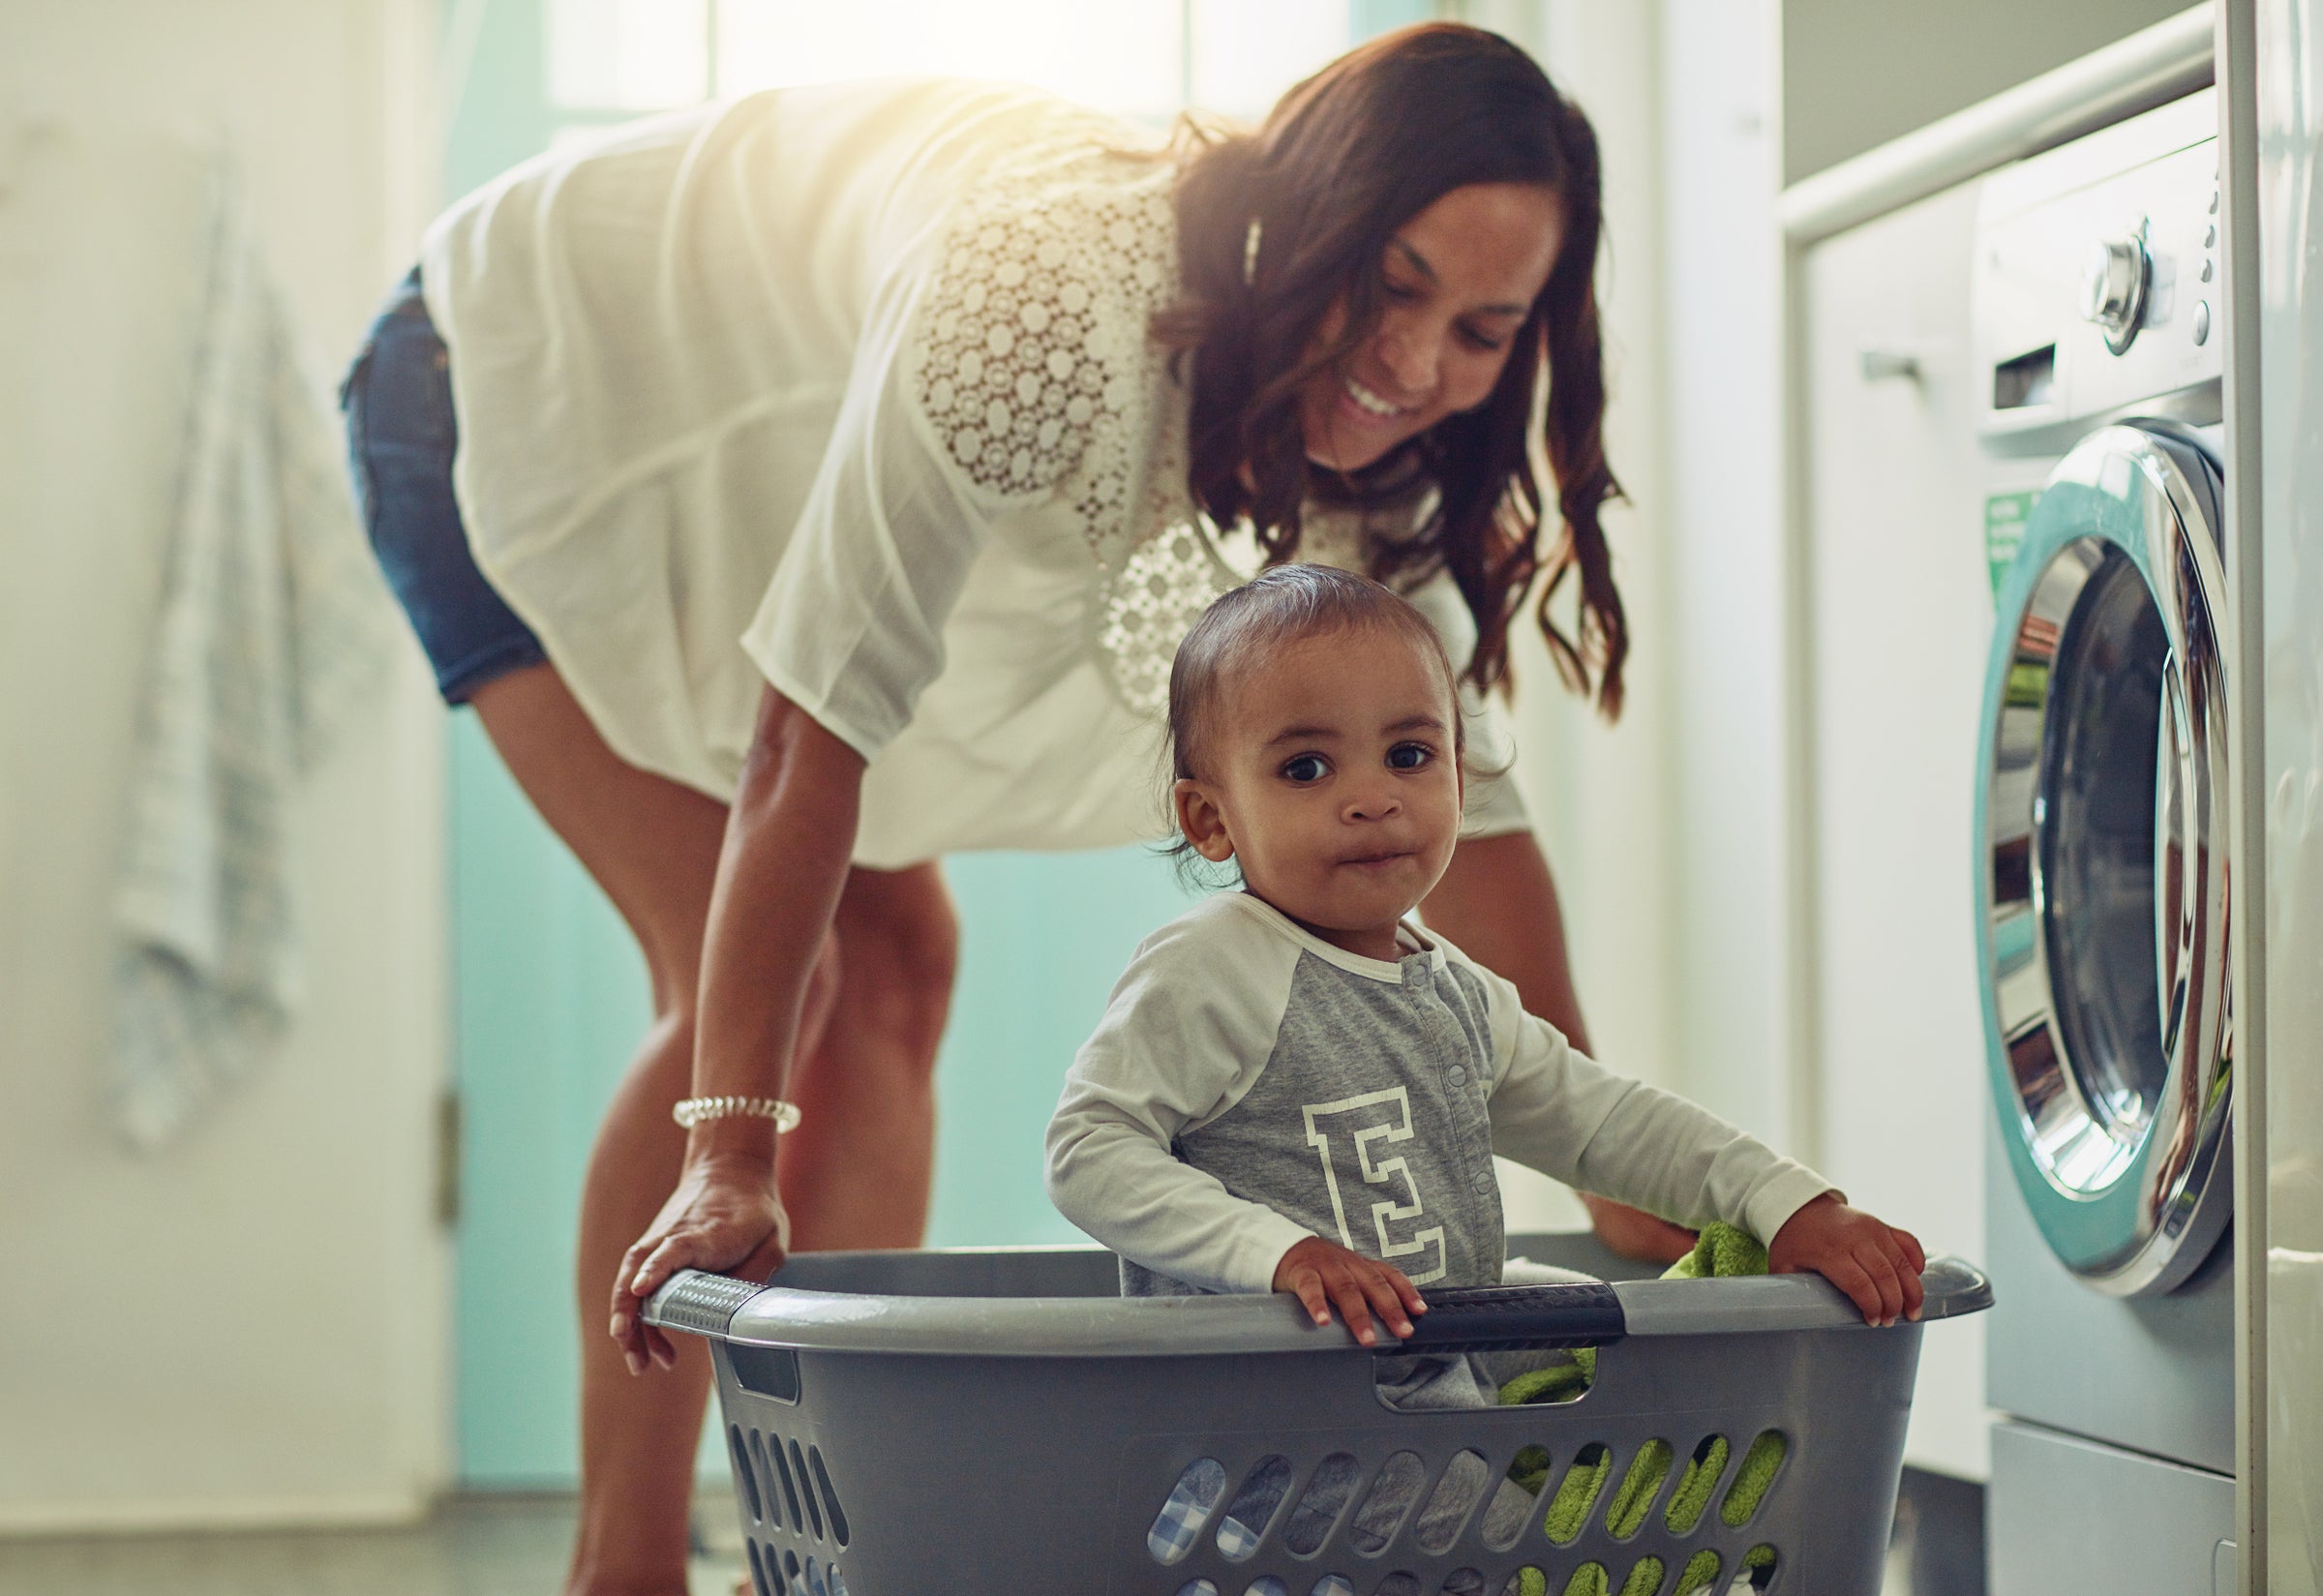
x: 1456, y: 282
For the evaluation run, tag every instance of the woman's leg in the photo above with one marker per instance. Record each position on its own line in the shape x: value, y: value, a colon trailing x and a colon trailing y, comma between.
x: 856, y: 1173
x: 652, y: 845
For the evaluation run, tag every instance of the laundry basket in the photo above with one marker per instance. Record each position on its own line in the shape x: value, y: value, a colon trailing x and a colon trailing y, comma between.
x: 999, y: 1423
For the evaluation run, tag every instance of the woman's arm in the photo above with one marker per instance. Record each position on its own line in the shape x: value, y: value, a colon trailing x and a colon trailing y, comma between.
x: 1497, y: 903
x: 789, y: 841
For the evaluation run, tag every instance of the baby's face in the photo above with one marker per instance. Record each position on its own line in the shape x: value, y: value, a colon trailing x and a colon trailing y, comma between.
x: 1333, y: 780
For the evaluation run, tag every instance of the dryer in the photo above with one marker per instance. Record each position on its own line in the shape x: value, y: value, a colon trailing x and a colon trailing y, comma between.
x: 2101, y: 864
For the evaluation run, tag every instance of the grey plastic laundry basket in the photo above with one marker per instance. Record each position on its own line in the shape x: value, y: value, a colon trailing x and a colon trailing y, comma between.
x: 986, y: 1422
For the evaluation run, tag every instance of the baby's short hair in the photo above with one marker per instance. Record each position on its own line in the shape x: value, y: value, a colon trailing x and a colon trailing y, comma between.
x: 1283, y: 605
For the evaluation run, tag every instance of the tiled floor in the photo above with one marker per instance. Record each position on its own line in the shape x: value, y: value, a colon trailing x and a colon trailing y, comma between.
x: 515, y: 1545
x: 495, y: 1546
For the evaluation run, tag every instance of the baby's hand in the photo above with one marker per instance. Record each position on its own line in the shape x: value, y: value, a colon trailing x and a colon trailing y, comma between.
x: 1875, y: 1264
x: 1321, y: 1273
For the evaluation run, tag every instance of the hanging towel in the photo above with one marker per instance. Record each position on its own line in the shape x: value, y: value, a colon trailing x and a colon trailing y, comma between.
x: 273, y: 624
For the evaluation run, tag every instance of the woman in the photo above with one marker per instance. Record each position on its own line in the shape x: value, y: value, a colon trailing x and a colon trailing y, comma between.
x: 829, y: 496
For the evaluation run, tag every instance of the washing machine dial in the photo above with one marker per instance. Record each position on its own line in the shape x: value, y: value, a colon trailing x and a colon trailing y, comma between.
x: 2113, y: 288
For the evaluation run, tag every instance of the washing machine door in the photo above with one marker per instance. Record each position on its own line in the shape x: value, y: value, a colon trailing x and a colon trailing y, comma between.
x: 2102, y: 866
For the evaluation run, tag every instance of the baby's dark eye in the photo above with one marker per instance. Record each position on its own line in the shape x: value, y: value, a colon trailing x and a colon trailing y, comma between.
x: 1306, y: 768
x: 1409, y: 756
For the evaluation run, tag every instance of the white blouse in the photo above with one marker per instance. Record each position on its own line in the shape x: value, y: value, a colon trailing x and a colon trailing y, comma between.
x: 848, y: 390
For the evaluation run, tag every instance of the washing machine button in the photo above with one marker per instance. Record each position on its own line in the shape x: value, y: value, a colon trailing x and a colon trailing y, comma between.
x: 2201, y: 320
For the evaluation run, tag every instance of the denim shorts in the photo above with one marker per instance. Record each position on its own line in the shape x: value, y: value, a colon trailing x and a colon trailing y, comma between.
x: 401, y: 437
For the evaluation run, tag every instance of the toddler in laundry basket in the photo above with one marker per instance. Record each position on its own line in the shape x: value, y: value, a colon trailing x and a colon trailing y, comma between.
x: 1295, y: 1088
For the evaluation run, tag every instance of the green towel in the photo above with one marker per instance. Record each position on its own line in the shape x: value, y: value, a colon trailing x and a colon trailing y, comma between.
x: 1720, y: 1250
x: 1591, y: 1580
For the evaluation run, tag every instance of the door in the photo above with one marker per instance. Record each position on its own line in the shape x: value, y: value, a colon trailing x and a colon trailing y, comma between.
x: 2101, y: 862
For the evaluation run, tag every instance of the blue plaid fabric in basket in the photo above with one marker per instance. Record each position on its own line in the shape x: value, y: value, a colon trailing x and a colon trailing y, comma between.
x: 1179, y: 1523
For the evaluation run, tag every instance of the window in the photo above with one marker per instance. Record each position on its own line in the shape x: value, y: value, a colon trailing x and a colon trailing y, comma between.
x: 1147, y: 59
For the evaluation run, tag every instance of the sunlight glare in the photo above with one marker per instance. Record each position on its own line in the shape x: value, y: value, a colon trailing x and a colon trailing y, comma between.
x: 627, y: 54
x: 1116, y: 55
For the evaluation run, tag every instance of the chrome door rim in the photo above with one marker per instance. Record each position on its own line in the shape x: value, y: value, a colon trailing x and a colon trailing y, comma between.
x: 2130, y: 1196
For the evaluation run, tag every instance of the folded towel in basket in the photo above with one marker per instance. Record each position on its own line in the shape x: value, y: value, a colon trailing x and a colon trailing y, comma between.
x: 1720, y: 1250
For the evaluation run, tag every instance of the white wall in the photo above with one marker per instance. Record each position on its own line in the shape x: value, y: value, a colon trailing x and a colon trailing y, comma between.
x: 1601, y: 794
x: 249, y: 1326
x: 1723, y: 300
x: 1665, y: 829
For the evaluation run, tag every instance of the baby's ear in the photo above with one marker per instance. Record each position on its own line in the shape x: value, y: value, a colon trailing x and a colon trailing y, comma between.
x: 1202, y: 821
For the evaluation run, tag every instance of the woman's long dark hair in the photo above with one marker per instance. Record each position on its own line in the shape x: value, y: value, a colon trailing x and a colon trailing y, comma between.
x: 1346, y: 159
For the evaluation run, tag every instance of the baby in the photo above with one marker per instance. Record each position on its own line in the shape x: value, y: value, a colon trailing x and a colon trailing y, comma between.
x: 1296, y: 1089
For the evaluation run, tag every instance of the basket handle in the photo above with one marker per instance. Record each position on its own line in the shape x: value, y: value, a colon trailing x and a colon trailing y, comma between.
x: 1514, y: 1318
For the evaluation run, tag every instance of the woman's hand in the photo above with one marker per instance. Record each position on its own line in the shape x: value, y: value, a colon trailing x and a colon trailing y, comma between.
x: 1874, y: 1264
x: 725, y: 1217
x: 1321, y: 1273
x: 788, y: 838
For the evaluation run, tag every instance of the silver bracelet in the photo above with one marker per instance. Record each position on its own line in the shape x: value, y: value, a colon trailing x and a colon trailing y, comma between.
x: 692, y: 1111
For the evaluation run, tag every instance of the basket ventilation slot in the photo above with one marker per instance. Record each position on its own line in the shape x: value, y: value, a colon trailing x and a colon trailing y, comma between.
x: 806, y: 1490
x: 1701, y: 1573
x: 1754, y: 1479
x: 1527, y: 1582
x: 1267, y: 1585
x: 1399, y: 1583
x: 1511, y: 1507
x: 1455, y: 1498
x: 831, y: 1498
x: 1244, y: 1527
x: 758, y: 1573
x: 1463, y: 1582
x: 1186, y: 1510
x: 1692, y: 1498
x: 1333, y: 1584
x: 1647, y: 1471
x: 1390, y: 1502
x: 744, y: 1474
x: 790, y: 1490
x: 1324, y: 1499
x: 1578, y: 1493
x: 1757, y: 1567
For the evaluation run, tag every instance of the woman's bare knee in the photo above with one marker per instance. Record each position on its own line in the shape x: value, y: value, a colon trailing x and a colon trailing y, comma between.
x: 901, y: 947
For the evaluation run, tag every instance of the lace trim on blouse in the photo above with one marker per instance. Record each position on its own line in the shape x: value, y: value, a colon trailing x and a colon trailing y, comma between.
x: 1034, y: 372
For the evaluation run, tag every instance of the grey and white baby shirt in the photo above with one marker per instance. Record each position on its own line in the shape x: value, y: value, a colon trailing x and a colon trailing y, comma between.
x: 1252, y: 1084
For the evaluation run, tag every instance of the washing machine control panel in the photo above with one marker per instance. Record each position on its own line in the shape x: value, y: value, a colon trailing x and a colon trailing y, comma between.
x: 2095, y: 278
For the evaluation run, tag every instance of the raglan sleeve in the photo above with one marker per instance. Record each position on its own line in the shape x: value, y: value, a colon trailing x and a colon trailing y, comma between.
x: 1185, y: 1033
x: 1558, y: 1112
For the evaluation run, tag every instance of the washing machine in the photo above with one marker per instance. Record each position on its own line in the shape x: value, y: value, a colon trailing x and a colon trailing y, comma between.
x: 2102, y: 869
